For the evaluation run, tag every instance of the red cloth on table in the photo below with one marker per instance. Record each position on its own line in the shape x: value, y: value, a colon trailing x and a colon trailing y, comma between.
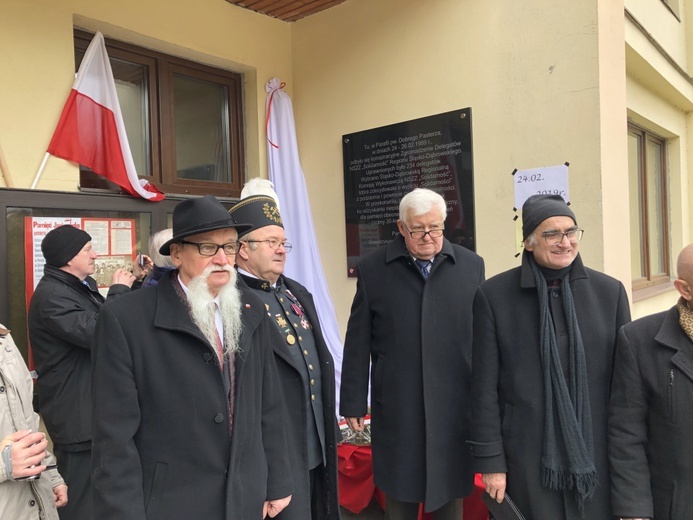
x: 356, y: 487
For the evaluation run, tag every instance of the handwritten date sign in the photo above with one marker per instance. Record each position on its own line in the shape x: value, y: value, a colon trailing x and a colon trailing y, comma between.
x: 550, y: 180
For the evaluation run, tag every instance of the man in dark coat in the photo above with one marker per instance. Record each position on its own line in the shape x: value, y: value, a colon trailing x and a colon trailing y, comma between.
x: 544, y: 338
x: 187, y: 404
x: 304, y: 363
x: 650, y: 424
x: 411, y: 320
x: 62, y: 318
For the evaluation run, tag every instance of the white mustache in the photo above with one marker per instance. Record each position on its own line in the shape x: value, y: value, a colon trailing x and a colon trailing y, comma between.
x: 215, y: 268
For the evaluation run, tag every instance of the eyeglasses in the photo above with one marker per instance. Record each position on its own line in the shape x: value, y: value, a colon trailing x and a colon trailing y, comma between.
x: 210, y: 249
x: 273, y: 244
x: 553, y: 238
x: 433, y: 233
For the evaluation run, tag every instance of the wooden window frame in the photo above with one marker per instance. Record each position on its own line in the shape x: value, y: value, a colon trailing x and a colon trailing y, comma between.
x: 161, y: 111
x: 651, y: 280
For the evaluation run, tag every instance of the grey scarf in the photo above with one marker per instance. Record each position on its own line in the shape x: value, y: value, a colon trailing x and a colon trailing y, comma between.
x: 568, y: 458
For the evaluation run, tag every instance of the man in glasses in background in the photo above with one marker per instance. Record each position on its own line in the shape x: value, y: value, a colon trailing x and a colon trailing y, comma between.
x: 188, y: 415
x: 304, y: 363
x: 411, y: 321
x: 544, y: 339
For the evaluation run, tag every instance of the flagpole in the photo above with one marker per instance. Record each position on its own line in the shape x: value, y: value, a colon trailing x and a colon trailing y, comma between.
x: 5, y: 170
x: 40, y: 171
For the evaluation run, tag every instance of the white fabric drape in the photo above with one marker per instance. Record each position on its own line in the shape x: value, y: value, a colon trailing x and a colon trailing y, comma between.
x: 303, y: 264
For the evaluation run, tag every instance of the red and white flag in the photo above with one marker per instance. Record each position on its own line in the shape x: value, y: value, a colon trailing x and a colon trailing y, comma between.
x: 91, y: 131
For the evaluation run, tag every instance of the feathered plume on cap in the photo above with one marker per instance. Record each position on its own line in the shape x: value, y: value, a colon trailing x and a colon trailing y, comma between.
x: 259, y: 186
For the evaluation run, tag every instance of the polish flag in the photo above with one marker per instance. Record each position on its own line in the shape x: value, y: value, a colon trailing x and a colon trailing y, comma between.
x: 91, y: 131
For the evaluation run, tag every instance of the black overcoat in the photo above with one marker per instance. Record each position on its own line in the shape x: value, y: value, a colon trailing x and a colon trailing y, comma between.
x: 62, y: 319
x: 162, y: 448
x: 508, y: 383
x: 651, y: 424
x: 418, y: 335
x: 294, y: 386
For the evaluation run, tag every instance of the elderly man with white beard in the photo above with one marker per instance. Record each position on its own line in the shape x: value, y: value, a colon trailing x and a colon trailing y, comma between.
x: 187, y: 411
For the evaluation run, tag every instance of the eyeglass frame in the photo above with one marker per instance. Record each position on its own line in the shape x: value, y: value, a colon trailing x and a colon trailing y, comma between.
x: 285, y: 244
x: 419, y: 231
x: 236, y: 246
x: 579, y: 233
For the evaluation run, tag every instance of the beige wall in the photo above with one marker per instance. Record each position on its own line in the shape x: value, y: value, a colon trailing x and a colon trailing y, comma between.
x: 531, y: 71
x: 663, y: 25
x: 660, y: 99
x: 37, y: 61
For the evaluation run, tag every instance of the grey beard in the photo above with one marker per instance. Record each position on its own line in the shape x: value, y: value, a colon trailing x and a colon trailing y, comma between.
x: 202, y: 309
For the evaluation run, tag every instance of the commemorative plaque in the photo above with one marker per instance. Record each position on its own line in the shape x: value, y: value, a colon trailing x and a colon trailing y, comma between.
x: 381, y: 165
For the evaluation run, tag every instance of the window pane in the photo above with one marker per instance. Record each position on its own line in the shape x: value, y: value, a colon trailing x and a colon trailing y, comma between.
x: 202, y: 129
x: 655, y: 221
x: 131, y: 86
x: 637, y: 256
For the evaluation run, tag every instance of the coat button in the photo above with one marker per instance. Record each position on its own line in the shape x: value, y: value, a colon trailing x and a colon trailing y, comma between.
x: 207, y: 356
x: 219, y: 418
x: 554, y: 294
x: 2, y: 389
x: 305, y: 352
x: 310, y: 367
x: 32, y: 503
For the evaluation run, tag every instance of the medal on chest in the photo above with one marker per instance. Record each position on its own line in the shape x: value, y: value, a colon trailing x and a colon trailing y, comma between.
x: 283, y: 326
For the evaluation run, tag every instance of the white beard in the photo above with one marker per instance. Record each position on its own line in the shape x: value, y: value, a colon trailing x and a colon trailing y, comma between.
x: 202, y: 308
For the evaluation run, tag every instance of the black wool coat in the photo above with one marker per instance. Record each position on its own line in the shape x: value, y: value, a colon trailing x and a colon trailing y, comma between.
x: 418, y: 335
x: 162, y: 446
x: 508, y: 383
x: 62, y: 320
x: 651, y: 424
x: 294, y: 385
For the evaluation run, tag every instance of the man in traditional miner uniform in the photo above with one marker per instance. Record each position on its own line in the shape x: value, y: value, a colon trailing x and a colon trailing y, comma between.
x: 304, y: 363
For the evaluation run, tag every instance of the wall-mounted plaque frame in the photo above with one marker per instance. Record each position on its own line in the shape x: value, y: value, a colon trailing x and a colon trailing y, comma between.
x: 383, y: 164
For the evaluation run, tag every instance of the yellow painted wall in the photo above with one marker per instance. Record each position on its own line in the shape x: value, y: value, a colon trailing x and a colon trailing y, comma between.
x: 37, y: 64
x: 529, y: 70
x: 650, y: 111
x: 663, y: 25
x: 660, y: 99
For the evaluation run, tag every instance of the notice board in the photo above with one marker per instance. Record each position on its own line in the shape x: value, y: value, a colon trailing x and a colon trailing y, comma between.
x: 382, y: 164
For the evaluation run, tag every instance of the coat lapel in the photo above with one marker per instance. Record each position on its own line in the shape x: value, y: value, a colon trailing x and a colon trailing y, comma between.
x: 306, y: 301
x: 278, y: 343
x: 671, y: 335
x: 172, y: 313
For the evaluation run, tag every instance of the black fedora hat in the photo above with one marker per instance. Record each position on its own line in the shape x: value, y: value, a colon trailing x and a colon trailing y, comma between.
x: 199, y: 215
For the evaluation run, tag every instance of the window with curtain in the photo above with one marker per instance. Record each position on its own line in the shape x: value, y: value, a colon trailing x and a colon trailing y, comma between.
x: 183, y: 120
x: 649, y: 208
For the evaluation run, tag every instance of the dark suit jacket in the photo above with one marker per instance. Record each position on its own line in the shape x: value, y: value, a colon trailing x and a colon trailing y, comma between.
x: 650, y: 423
x: 418, y: 336
x: 162, y: 448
